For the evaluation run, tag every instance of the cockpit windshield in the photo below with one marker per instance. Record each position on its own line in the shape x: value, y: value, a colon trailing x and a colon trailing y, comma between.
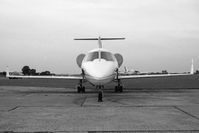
x: 103, y: 54
x: 107, y: 56
x: 92, y: 56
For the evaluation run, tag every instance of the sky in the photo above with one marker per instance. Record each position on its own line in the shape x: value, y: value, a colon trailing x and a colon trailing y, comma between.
x: 160, y: 34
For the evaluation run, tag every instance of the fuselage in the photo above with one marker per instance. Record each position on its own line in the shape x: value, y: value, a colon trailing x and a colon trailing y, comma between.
x: 99, y: 66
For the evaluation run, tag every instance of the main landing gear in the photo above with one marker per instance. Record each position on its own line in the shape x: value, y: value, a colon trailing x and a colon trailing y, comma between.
x: 80, y: 87
x: 119, y: 87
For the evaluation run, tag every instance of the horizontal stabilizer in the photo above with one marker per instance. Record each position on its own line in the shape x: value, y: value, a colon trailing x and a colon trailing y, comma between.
x: 99, y: 38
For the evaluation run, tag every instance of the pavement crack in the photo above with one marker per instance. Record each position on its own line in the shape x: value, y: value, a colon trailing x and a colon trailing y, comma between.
x: 13, y: 108
x: 83, y: 101
x: 193, y: 116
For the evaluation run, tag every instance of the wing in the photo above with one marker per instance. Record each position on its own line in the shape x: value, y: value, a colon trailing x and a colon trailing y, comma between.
x: 156, y: 75
x: 42, y: 77
x: 148, y: 76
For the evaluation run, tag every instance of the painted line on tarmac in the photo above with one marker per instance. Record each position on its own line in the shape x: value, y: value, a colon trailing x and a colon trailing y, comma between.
x: 132, y: 106
x: 131, y: 131
x: 148, y: 131
x: 187, y: 113
x: 82, y: 104
x: 13, y: 108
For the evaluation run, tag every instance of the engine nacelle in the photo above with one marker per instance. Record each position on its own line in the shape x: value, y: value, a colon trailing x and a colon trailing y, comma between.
x: 79, y: 59
x: 119, y: 59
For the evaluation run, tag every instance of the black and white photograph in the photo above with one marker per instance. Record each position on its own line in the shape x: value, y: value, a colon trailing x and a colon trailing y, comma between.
x: 99, y: 66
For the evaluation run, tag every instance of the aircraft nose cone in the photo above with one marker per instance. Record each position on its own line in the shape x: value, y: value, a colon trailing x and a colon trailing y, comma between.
x: 100, y: 69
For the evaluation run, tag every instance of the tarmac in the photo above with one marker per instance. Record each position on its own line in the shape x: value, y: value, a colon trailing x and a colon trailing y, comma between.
x: 50, y: 109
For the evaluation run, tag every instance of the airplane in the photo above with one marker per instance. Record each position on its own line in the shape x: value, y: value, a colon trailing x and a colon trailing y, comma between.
x: 99, y: 67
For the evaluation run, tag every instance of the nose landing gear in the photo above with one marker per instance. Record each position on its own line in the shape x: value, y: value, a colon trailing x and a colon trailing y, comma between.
x: 100, y: 93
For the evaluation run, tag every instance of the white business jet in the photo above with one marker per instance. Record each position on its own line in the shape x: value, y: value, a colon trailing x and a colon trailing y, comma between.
x: 99, y: 67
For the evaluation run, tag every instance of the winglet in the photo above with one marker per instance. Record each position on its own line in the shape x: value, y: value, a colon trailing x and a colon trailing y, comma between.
x: 192, y: 67
x: 7, y: 72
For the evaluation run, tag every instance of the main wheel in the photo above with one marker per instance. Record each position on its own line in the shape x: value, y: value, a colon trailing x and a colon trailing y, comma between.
x: 120, y: 88
x: 78, y: 89
x: 83, y: 89
x: 116, y: 88
x: 100, y: 97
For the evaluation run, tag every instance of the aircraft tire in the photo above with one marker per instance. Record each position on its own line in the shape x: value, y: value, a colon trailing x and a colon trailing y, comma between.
x: 100, y: 97
x: 78, y: 89
x: 120, y: 88
x: 116, y: 88
x: 83, y: 89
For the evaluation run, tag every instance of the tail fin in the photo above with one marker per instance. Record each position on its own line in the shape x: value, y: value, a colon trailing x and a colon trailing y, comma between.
x: 99, y: 39
x: 192, y: 67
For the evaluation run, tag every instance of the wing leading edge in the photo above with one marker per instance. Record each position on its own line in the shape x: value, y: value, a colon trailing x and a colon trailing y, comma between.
x: 44, y: 77
x: 149, y: 76
x: 41, y: 77
x: 157, y: 75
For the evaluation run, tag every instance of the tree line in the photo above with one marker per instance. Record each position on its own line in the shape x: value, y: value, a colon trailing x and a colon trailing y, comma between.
x: 26, y: 70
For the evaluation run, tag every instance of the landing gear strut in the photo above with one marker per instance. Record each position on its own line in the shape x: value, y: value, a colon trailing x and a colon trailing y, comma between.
x: 80, y: 87
x: 100, y: 94
x: 119, y: 87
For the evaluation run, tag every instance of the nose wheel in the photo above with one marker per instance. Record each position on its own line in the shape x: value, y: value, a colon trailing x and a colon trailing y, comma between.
x: 100, y: 94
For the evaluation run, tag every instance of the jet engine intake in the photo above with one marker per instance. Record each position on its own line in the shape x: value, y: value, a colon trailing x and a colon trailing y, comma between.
x: 79, y: 59
x: 119, y: 59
